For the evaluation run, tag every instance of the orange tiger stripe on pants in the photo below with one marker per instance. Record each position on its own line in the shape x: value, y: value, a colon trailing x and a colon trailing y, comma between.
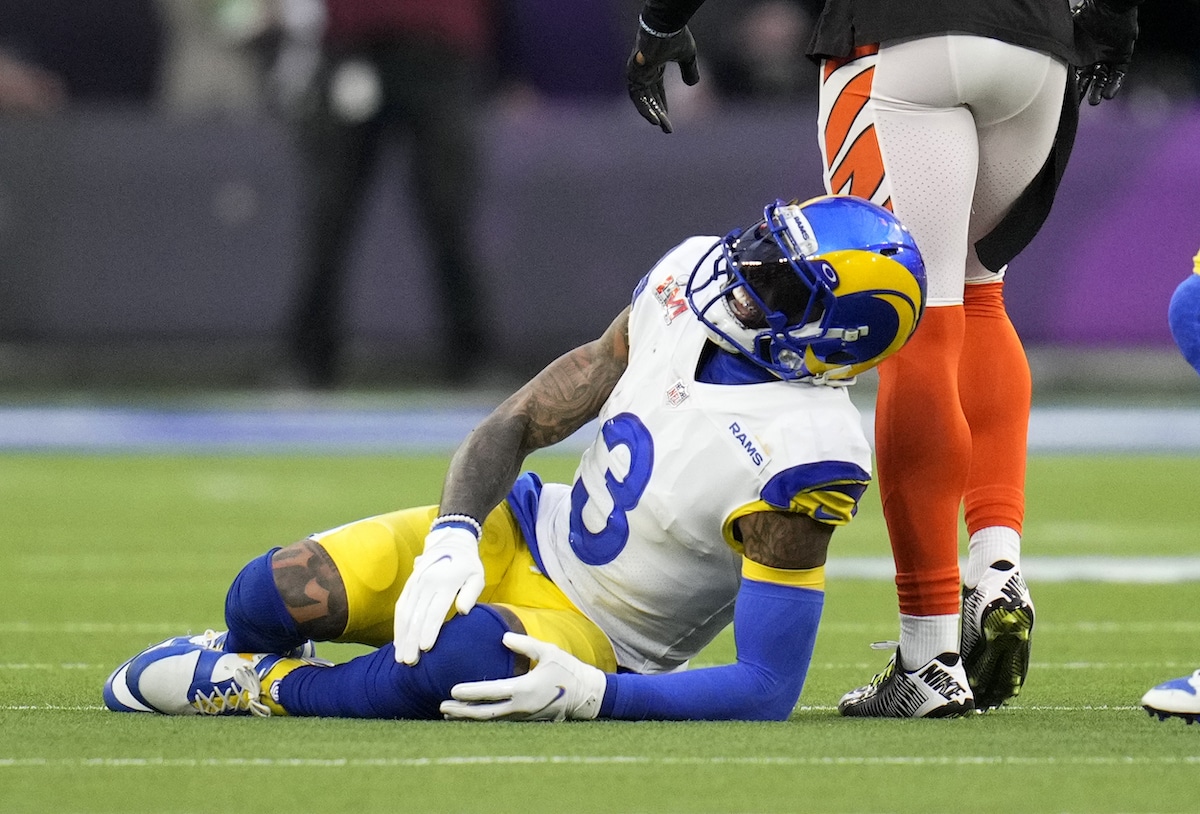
x: 851, y: 153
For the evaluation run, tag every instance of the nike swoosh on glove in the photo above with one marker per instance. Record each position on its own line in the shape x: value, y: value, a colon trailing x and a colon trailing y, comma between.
x: 449, y: 572
x: 560, y: 687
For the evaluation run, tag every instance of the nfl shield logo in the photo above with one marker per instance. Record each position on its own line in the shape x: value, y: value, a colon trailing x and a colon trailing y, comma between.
x: 677, y: 394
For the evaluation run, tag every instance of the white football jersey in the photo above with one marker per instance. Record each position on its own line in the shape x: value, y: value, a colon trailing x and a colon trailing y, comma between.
x: 642, y: 541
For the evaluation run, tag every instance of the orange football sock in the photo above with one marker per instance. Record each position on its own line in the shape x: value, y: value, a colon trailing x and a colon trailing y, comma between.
x: 995, y: 392
x: 923, y: 452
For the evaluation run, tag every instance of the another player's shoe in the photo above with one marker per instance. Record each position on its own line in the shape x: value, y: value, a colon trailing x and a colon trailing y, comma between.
x: 937, y: 689
x: 190, y: 679
x: 1179, y: 698
x: 119, y: 698
x: 997, y: 623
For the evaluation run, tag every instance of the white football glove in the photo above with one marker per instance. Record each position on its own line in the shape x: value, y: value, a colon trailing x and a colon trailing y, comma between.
x: 560, y: 687
x: 449, y: 572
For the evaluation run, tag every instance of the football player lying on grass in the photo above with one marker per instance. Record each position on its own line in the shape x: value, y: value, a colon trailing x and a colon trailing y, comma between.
x: 726, y: 453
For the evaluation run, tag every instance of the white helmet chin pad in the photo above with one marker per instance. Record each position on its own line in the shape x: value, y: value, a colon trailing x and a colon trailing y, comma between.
x: 725, y: 329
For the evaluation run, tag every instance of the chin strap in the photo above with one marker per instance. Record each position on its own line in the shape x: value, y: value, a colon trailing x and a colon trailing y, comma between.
x: 823, y: 379
x: 834, y: 377
x: 848, y: 334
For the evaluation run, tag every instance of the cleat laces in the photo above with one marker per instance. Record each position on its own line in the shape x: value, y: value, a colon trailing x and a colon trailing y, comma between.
x: 241, y: 694
x: 885, y: 674
x: 211, y: 639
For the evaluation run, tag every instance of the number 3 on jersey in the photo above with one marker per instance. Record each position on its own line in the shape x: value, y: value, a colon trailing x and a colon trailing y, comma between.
x: 611, y: 482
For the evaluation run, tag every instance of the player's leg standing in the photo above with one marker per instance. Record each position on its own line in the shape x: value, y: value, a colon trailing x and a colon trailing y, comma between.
x: 924, y: 158
x: 961, y: 125
x: 1017, y: 124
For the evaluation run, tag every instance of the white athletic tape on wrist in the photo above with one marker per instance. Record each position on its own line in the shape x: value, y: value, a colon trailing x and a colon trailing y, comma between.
x: 659, y: 34
x: 458, y: 521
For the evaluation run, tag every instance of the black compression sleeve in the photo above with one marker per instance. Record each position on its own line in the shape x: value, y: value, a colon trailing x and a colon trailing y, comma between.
x: 669, y: 16
x: 1120, y: 5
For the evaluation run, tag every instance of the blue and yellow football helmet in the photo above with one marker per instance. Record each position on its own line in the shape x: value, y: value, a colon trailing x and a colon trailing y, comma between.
x: 818, y: 291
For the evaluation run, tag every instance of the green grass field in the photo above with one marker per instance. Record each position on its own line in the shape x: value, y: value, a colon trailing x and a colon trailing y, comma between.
x: 104, y: 554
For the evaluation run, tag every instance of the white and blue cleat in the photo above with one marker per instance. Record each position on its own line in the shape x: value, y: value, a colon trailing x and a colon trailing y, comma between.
x: 123, y: 692
x: 1178, y: 698
x: 190, y: 679
x: 117, y: 695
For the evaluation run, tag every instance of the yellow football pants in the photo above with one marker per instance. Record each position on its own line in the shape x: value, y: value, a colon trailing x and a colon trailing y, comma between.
x: 375, y: 557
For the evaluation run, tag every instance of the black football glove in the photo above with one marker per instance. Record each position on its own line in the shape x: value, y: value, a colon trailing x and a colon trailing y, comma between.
x: 646, y: 66
x: 1104, y: 41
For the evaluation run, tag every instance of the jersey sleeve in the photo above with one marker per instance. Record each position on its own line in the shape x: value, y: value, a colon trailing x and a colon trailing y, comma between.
x: 774, y: 628
x: 828, y: 492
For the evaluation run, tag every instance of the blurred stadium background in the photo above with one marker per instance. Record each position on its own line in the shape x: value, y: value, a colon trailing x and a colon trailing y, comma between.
x: 149, y: 233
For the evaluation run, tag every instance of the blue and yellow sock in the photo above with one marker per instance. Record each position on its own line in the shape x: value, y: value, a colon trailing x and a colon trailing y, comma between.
x: 258, y: 620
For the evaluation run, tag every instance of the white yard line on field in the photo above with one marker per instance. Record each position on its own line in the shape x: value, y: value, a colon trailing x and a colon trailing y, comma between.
x: 1131, y: 570
x: 595, y: 760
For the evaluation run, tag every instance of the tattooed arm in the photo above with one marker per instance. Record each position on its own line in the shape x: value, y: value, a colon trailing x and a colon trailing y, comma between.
x: 562, y: 398
x: 785, y: 540
x: 555, y: 403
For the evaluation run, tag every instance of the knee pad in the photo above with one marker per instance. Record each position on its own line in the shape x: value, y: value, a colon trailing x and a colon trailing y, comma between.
x: 258, y: 620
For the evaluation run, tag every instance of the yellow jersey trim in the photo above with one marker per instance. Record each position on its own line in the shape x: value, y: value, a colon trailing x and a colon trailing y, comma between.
x: 811, y: 578
x: 828, y: 506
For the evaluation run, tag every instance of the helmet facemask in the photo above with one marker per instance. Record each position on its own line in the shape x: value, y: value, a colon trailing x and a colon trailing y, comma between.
x: 761, y: 298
